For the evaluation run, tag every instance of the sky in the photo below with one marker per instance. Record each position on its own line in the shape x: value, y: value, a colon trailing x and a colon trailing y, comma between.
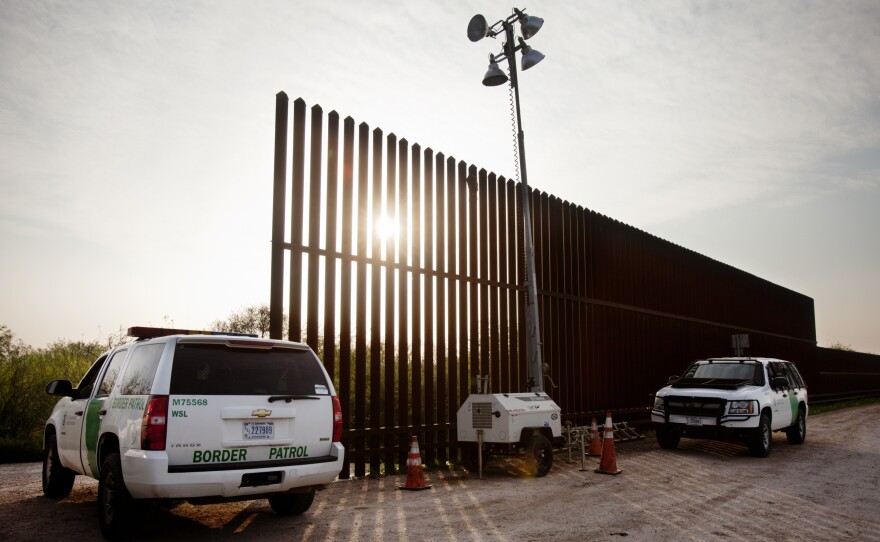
x: 136, y: 139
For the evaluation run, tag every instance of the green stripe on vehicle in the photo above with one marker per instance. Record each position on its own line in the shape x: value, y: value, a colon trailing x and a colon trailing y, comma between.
x: 793, y: 399
x: 93, y: 430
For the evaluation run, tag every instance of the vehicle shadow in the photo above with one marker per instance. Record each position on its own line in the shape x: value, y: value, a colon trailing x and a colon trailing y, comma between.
x: 245, y: 520
x: 76, y: 518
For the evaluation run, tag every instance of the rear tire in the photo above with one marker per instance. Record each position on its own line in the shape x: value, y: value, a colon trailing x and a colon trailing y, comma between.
x: 292, y: 504
x: 57, y: 479
x: 667, y: 437
x: 797, y: 433
x: 116, y: 507
x: 761, y: 440
x: 540, y: 455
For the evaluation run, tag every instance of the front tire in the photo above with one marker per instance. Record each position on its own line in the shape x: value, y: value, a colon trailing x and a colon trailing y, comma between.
x: 540, y: 455
x: 797, y: 433
x: 667, y: 437
x: 292, y: 504
x: 761, y: 440
x: 57, y: 479
x: 116, y: 507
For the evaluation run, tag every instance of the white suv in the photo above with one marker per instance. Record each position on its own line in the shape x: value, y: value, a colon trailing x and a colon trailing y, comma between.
x: 740, y: 398
x: 183, y: 415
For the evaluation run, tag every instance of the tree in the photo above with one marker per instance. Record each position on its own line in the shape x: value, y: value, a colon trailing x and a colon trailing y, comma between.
x: 9, y: 346
x: 24, y: 373
x: 840, y: 346
x: 13, y: 367
x: 254, y: 319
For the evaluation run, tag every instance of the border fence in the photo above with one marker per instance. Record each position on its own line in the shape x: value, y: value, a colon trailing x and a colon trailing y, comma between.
x: 404, y: 270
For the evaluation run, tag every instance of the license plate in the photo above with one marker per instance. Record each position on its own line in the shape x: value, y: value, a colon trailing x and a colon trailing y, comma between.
x: 258, y: 430
x: 694, y: 421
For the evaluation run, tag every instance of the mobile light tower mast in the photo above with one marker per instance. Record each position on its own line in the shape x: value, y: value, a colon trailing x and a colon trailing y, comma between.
x: 511, y: 422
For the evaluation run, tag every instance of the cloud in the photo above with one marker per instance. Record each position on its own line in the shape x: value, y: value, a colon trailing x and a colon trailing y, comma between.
x: 157, y: 117
x: 756, y: 97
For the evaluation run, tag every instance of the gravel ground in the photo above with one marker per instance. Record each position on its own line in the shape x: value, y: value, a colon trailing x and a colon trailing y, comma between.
x: 826, y: 489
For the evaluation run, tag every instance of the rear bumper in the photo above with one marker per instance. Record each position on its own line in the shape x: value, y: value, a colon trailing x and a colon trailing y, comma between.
x: 147, y: 476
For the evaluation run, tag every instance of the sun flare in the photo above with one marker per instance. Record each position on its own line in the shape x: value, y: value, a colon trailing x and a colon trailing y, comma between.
x: 387, y: 228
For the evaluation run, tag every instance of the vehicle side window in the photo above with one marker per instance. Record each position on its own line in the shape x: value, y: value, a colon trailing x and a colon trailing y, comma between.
x: 774, y: 369
x: 794, y: 378
x: 787, y: 375
x: 84, y: 388
x: 141, y: 368
x: 797, y: 374
x: 112, y: 373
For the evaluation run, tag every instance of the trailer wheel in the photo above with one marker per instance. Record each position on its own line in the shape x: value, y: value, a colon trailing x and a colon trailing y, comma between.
x: 539, y: 455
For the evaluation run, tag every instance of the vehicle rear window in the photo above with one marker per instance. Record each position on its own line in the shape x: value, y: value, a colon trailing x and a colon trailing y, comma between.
x: 216, y: 369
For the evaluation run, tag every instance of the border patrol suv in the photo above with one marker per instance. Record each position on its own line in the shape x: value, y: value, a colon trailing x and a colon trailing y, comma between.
x: 191, y: 415
x: 740, y: 398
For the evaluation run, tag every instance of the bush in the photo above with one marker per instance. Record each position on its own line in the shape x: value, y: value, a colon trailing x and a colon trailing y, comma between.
x: 24, y: 404
x: 21, y: 451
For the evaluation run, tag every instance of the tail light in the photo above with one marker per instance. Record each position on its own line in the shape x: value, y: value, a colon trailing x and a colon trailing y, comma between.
x: 337, y: 420
x: 155, y: 423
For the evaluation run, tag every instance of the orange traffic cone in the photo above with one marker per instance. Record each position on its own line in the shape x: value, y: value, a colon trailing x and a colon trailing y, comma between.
x: 608, y: 462
x: 595, y: 442
x: 415, y: 476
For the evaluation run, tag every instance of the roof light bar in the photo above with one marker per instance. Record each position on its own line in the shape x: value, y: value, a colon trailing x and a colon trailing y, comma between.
x: 145, y: 332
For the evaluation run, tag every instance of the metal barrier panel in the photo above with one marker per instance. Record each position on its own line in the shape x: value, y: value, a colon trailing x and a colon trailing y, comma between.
x: 405, y: 277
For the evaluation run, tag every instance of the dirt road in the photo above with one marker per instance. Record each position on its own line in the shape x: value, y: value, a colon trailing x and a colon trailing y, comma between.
x: 826, y: 489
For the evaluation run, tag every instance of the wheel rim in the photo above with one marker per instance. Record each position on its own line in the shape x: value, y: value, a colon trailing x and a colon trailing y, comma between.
x: 49, y: 465
x: 765, y: 436
x: 543, y: 458
x: 802, y: 427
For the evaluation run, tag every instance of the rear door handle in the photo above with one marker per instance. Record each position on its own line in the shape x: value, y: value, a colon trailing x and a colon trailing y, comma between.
x: 79, y: 412
x: 102, y: 412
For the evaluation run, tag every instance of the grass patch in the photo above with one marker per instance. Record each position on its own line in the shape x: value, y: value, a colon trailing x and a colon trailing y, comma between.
x: 20, y: 451
x: 831, y: 407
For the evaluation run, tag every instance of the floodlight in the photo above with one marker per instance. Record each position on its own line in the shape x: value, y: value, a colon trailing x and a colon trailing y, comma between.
x: 530, y: 56
x: 477, y: 28
x: 530, y: 25
x: 494, y: 76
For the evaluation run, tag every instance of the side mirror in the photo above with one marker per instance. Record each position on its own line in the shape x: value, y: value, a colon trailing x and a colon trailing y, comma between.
x: 778, y: 382
x: 62, y: 388
x: 672, y: 379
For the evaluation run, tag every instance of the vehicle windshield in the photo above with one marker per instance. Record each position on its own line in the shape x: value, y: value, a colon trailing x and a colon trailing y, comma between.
x: 729, y: 373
